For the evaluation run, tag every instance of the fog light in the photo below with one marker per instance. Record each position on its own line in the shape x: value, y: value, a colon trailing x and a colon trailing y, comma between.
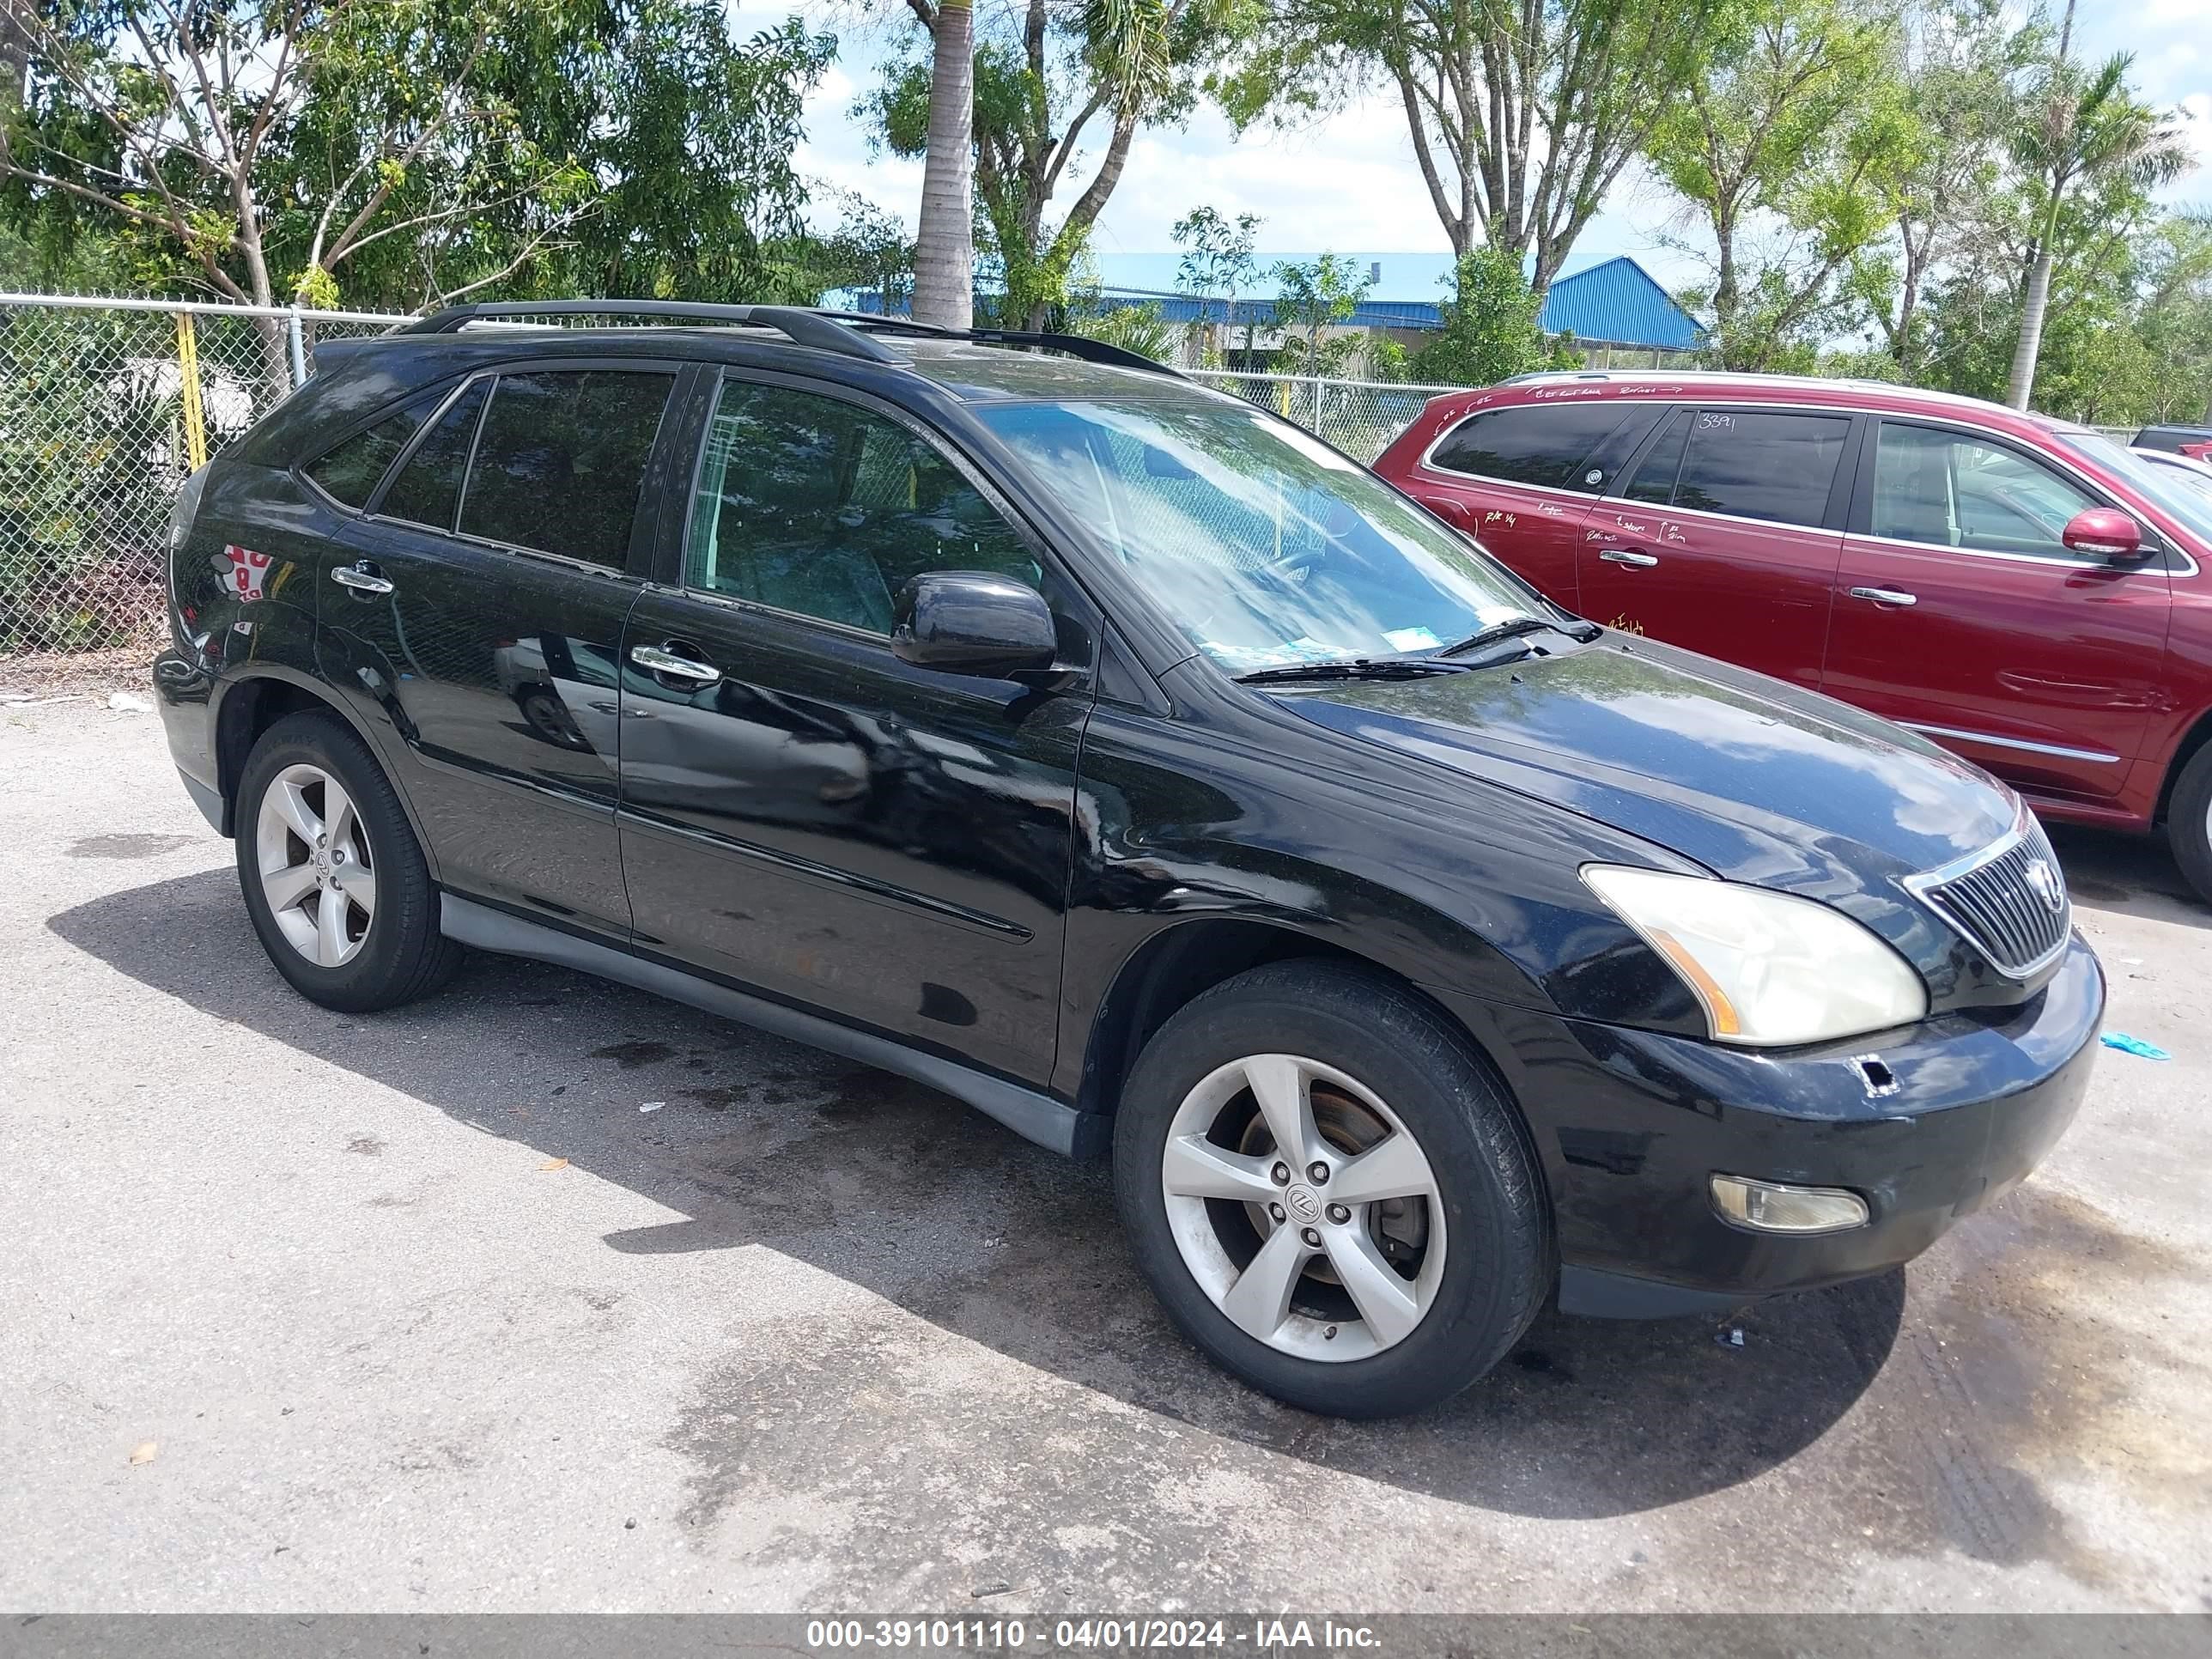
x: 1773, y: 1208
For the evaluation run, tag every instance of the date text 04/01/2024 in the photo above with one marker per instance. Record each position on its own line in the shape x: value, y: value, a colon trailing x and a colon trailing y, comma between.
x: 1002, y: 1635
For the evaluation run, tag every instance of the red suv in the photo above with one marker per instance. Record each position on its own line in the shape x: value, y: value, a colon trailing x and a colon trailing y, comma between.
x: 2020, y: 589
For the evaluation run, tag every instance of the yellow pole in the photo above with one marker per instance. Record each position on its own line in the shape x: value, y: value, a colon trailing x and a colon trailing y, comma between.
x: 188, y: 371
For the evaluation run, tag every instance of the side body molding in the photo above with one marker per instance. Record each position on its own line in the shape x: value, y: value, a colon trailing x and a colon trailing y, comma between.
x: 1038, y: 1117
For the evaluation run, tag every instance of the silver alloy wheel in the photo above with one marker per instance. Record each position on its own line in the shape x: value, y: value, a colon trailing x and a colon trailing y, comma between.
x: 1333, y: 1222
x: 316, y: 869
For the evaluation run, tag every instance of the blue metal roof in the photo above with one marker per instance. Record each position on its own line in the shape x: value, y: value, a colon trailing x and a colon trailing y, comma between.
x: 1613, y: 303
x: 1617, y: 303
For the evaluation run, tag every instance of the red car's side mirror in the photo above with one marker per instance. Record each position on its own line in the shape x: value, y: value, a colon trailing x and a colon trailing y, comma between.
x: 2106, y: 531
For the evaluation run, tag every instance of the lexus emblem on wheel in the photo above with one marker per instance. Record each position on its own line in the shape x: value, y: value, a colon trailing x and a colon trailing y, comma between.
x: 1305, y: 1203
x: 2043, y: 881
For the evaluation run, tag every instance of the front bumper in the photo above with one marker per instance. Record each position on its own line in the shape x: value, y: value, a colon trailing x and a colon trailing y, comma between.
x: 1633, y: 1125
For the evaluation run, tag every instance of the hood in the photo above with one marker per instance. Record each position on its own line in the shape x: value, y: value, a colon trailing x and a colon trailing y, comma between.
x: 1754, y: 779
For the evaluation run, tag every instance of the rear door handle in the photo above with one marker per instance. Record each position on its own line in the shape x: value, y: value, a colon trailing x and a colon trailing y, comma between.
x: 361, y: 576
x: 662, y: 660
x: 1885, y: 596
x: 1632, y: 560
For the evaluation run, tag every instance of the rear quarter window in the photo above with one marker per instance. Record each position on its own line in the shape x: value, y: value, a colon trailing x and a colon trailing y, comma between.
x: 1542, y: 444
x: 350, y: 470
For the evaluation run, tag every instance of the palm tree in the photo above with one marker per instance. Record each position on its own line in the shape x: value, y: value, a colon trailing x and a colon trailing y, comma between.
x: 945, y: 239
x: 2093, y: 130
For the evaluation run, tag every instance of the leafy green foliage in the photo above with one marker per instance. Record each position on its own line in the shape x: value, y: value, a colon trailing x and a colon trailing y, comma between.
x: 1046, y: 76
x: 1522, y: 114
x: 1314, y: 295
x: 1489, y: 328
x: 1218, y: 259
x: 1141, y: 329
x: 1782, y: 145
x: 394, y: 153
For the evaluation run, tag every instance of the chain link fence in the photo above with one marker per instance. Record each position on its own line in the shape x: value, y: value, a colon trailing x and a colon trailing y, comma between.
x: 1360, y: 417
x: 105, y: 406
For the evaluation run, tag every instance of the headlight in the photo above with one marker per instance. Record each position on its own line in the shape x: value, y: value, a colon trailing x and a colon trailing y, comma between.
x: 1770, y: 968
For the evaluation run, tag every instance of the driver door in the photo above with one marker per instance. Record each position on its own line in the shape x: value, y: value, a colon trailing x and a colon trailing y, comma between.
x: 1961, y: 612
x: 804, y: 813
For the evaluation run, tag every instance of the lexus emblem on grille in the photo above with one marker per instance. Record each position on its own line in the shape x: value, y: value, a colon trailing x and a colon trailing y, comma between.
x: 2043, y: 881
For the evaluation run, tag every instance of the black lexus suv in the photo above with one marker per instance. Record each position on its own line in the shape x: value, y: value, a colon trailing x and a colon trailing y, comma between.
x: 1009, y: 712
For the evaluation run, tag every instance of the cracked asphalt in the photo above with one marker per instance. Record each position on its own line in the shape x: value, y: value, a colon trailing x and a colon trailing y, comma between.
x: 423, y: 1312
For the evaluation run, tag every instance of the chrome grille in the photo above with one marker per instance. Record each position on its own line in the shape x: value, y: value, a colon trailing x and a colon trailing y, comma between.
x: 2002, y: 900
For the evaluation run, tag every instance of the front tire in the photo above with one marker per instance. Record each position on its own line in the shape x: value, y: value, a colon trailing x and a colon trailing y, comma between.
x: 2188, y: 822
x: 1391, y: 1258
x: 336, y: 886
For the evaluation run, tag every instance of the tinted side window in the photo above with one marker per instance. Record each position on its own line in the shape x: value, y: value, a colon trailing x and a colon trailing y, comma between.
x: 1654, y: 480
x: 561, y: 460
x: 818, y: 507
x: 349, y: 470
x: 427, y: 488
x: 1543, y: 444
x: 1953, y: 490
x: 1758, y: 465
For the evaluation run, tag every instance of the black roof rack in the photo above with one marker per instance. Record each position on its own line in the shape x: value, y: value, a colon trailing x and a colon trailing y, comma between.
x: 1074, y: 345
x: 802, y: 325
x: 842, y: 332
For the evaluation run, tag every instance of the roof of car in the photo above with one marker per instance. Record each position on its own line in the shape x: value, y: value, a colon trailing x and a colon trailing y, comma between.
x: 1548, y: 384
x: 978, y: 364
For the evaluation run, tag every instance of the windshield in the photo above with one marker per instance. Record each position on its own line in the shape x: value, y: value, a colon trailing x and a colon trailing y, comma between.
x: 1267, y: 547
x: 2160, y: 485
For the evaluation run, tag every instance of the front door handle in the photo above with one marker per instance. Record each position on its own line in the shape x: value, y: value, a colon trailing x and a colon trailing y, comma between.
x: 1634, y: 561
x: 1885, y: 596
x: 361, y: 576
x: 662, y: 660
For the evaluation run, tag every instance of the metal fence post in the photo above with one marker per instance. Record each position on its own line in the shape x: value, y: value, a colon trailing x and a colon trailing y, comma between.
x: 299, y: 353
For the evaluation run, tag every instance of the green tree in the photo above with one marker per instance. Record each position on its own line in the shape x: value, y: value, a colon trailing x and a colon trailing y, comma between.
x: 1046, y: 82
x: 2088, y: 130
x: 1777, y: 146
x: 1141, y: 329
x: 1314, y: 295
x: 407, y: 151
x: 1522, y: 114
x: 1489, y: 327
x: 1959, y: 96
x: 1218, y: 259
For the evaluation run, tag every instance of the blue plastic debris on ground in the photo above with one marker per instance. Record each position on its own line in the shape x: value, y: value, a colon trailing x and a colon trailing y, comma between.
x: 2134, y: 1045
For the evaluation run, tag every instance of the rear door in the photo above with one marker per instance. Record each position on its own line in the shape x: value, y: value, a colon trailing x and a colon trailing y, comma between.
x: 1961, y: 612
x: 803, y: 813
x: 475, y: 614
x: 1521, y: 477
x: 1724, y: 536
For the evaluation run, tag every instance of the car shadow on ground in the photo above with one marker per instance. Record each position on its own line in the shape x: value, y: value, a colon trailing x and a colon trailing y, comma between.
x: 2132, y: 875
x: 949, y: 1216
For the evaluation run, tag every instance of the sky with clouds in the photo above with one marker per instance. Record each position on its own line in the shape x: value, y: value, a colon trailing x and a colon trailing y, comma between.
x: 1349, y: 183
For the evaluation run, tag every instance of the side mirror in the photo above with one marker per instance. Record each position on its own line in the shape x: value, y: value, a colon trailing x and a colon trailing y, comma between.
x: 968, y: 622
x: 2106, y: 531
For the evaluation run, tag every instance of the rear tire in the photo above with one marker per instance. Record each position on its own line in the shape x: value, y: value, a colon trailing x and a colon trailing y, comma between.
x: 1310, y: 1287
x: 333, y: 878
x: 2188, y: 822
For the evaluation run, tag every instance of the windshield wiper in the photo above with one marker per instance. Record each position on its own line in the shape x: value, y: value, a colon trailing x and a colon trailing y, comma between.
x: 1514, y: 626
x: 1363, y: 668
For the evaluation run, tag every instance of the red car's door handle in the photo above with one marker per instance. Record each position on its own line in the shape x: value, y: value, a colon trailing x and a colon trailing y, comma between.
x: 1628, y: 557
x: 1885, y: 595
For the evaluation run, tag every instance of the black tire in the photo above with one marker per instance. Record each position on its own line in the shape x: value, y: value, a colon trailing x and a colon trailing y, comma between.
x: 1497, y: 1268
x: 403, y: 955
x: 2188, y: 822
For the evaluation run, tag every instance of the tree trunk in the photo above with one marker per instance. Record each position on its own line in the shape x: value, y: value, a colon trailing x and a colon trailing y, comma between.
x: 2023, y: 383
x: 15, y: 56
x: 945, y: 252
